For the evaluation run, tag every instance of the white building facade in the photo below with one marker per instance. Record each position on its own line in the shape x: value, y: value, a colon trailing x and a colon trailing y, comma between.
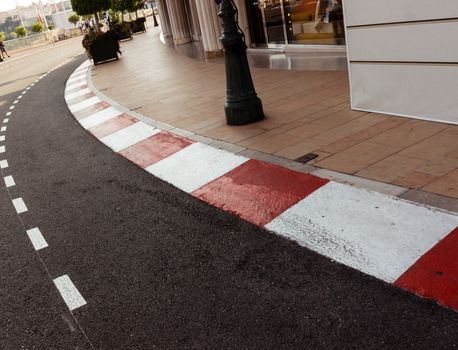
x: 401, y: 55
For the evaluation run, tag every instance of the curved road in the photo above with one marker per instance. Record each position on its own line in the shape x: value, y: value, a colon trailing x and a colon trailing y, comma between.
x: 157, y: 268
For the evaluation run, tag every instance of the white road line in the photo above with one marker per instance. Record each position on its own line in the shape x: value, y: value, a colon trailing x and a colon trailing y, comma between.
x: 28, y: 88
x: 129, y: 136
x: 12, y: 107
x: 376, y: 234
x: 16, y: 101
x: 77, y: 94
x: 99, y: 117
x: 37, y: 238
x: 19, y: 97
x: 8, y: 114
x: 9, y: 181
x: 76, y: 80
x: 3, y: 164
x: 23, y: 92
x: 5, y: 121
x: 69, y: 293
x: 195, y: 166
x: 2, y: 138
x: 2, y: 149
x: 84, y: 104
x: 3, y: 128
x: 19, y: 205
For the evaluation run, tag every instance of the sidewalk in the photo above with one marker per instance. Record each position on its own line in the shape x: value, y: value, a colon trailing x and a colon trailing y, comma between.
x: 306, y: 112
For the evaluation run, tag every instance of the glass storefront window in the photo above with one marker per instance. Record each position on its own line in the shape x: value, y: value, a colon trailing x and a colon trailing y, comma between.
x: 314, y: 22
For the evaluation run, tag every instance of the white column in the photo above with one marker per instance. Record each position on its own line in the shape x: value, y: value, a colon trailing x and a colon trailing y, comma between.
x: 179, y: 22
x: 195, y: 32
x: 243, y: 20
x: 164, y: 18
x: 210, y: 27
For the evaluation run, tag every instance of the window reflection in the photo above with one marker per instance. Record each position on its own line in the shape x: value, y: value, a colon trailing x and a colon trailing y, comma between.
x: 316, y: 22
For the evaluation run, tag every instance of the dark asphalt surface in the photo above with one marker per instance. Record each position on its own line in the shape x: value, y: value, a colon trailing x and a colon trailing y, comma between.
x: 160, y: 269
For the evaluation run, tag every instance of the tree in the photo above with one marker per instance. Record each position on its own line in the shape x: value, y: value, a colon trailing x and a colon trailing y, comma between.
x: 74, y: 19
x: 20, y: 31
x: 124, y: 5
x: 37, y: 27
x: 86, y: 7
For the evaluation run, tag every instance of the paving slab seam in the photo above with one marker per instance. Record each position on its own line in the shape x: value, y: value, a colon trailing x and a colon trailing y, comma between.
x: 68, y: 291
x: 409, y: 245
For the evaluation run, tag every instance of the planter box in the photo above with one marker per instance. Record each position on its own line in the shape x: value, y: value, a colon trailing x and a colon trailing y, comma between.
x: 123, y: 32
x: 104, y: 49
x: 138, y: 26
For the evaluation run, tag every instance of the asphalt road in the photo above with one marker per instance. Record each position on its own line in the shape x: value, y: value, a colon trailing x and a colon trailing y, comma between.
x: 158, y: 268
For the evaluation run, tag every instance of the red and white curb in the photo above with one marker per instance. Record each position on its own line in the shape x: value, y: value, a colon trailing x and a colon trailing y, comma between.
x: 412, y: 246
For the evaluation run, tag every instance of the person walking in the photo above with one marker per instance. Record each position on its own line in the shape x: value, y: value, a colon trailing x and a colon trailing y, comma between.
x: 3, y: 50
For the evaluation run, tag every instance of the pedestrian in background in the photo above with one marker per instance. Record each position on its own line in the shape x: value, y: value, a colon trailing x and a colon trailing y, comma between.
x: 3, y: 50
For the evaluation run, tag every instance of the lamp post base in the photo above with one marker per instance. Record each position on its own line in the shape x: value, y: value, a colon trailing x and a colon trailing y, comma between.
x: 244, y: 112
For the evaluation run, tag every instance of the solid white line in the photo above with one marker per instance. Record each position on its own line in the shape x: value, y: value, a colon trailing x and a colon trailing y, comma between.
x: 5, y: 121
x: 195, y: 166
x: 129, y: 136
x: 2, y: 138
x: 3, y: 164
x: 99, y: 117
x: 9, y: 181
x: 37, y: 238
x: 373, y: 233
x: 3, y: 128
x: 19, y: 205
x: 2, y: 149
x: 77, y: 94
x: 84, y: 104
x: 69, y: 293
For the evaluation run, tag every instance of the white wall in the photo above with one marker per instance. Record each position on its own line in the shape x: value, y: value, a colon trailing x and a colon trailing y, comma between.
x: 403, y: 57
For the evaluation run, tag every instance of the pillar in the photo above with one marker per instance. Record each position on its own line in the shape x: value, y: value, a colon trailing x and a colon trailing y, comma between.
x: 210, y: 27
x: 164, y: 18
x: 178, y: 22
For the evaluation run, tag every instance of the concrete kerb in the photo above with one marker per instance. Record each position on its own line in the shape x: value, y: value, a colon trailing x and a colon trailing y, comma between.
x: 381, y: 235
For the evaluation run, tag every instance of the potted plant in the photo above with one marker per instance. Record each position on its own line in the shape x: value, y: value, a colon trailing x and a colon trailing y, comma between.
x: 100, y: 46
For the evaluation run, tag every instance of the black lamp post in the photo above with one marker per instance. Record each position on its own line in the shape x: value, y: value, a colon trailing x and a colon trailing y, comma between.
x: 242, y: 106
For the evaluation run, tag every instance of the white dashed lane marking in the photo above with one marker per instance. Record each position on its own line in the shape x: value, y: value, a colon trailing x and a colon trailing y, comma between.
x: 2, y: 149
x: 19, y: 205
x: 8, y: 114
x: 3, y: 128
x: 12, y: 107
x: 2, y: 138
x: 3, y: 164
x: 69, y: 293
x: 9, y: 181
x: 37, y: 238
x: 5, y: 121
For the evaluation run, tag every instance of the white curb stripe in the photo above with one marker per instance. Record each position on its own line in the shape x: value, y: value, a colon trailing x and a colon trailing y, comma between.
x: 3, y: 164
x: 19, y: 205
x: 69, y: 293
x: 76, y: 80
x: 9, y: 181
x: 129, y: 136
x: 84, y: 104
x: 195, y: 166
x: 74, y: 86
x: 99, y: 117
x: 379, y: 235
x: 37, y: 238
x: 77, y: 94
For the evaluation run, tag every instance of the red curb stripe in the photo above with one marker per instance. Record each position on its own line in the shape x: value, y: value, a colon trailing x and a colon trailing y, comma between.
x: 71, y: 91
x: 435, y: 274
x: 111, y: 126
x: 155, y: 148
x: 258, y: 192
x: 80, y: 98
x: 91, y: 110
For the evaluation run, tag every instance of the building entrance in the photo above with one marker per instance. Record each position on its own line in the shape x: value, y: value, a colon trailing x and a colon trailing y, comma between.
x: 302, y: 22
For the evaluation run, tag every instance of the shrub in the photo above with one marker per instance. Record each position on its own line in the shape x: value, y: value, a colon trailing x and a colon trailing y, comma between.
x: 20, y: 31
x: 37, y: 27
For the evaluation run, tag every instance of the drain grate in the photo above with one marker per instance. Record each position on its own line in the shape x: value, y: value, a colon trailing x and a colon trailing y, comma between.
x: 307, y: 158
